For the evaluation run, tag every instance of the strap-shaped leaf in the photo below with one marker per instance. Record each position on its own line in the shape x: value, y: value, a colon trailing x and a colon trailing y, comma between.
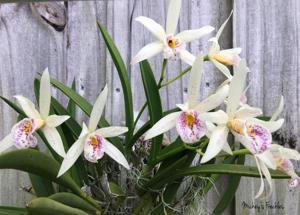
x: 123, y: 75
x: 154, y: 104
x: 226, y: 169
x: 38, y: 163
x: 41, y: 186
x: 71, y: 104
x: 73, y: 201
x: 231, y: 190
x: 48, y: 206
x: 8, y: 210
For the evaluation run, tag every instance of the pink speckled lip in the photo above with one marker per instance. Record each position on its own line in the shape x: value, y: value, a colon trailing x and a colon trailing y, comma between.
x: 22, y: 134
x: 260, y: 138
x: 94, y: 148
x: 190, y: 131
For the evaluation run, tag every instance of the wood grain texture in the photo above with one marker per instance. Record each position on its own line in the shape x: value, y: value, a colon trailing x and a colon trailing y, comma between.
x: 266, y: 30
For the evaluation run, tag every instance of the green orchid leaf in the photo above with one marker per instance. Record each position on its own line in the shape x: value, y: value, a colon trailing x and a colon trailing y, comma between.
x: 124, y: 78
x: 38, y: 163
x: 154, y: 105
x: 227, y: 169
x: 41, y: 186
x: 231, y: 190
x: 71, y: 104
x: 73, y: 201
x: 48, y: 206
x: 8, y: 210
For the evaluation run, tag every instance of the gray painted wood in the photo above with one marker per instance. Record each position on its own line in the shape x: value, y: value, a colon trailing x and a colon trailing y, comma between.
x: 266, y: 30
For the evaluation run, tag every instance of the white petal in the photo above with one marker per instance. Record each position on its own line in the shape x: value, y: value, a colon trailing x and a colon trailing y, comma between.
x: 98, y: 109
x: 267, y: 174
x: 215, y: 47
x: 223, y: 26
x: 227, y: 149
x: 218, y: 117
x: 230, y: 52
x: 148, y: 51
x: 112, y: 131
x: 191, y: 35
x: 217, y: 141
x: 55, y: 120
x: 272, y: 126
x: 183, y: 107
x: 84, y: 131
x: 222, y: 68
x: 278, y: 110
x: 268, y: 159
x: 262, y: 185
x: 72, y: 155
x: 6, y: 143
x: 173, y: 16
x: 248, y: 111
x: 155, y: 28
x: 115, y: 154
x: 164, y: 124
x: 213, y: 101
x: 243, y: 140
x: 54, y: 140
x: 28, y: 107
x: 236, y: 88
x: 45, y: 94
x: 187, y: 57
x: 195, y: 81
x: 290, y: 154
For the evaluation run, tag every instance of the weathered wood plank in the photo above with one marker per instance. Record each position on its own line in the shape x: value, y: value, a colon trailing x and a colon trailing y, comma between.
x: 268, y: 33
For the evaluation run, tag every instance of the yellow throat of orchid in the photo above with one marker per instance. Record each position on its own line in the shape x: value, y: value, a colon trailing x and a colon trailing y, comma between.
x: 190, y: 120
x: 94, y: 141
x: 172, y: 43
x: 222, y: 59
x: 29, y: 127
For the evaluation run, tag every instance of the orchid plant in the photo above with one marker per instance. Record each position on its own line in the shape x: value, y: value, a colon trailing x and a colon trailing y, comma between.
x: 64, y: 182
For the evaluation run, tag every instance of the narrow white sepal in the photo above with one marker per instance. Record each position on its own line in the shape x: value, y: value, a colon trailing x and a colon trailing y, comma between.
x: 6, y: 143
x: 111, y: 131
x: 72, y: 155
x: 115, y: 154
x: 173, y: 16
x: 98, y: 109
x: 55, y: 120
x: 45, y: 94
x: 28, y: 107
x: 54, y: 140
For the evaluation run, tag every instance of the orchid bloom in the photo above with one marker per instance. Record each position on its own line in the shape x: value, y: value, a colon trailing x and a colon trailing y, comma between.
x: 282, y: 158
x: 253, y: 133
x: 21, y: 135
x: 172, y: 45
x: 92, y: 141
x: 188, y: 122
x: 220, y: 58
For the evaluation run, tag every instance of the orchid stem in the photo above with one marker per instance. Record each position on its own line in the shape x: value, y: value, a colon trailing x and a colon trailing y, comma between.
x: 183, y: 72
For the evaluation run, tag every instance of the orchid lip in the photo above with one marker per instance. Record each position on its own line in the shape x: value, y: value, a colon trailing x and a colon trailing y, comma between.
x: 22, y: 133
x: 189, y: 127
x: 94, y: 148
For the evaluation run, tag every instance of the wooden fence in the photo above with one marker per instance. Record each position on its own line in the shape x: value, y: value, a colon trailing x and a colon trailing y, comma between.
x: 266, y: 30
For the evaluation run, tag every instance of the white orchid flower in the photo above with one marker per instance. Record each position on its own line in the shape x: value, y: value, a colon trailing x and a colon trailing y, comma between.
x: 221, y: 58
x: 172, y: 45
x: 282, y: 158
x: 92, y: 141
x: 253, y: 133
x: 188, y: 122
x: 21, y: 135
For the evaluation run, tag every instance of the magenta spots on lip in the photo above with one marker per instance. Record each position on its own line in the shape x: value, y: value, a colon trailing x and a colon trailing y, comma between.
x: 22, y: 134
x: 189, y: 127
x: 94, y: 148
x: 260, y: 138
